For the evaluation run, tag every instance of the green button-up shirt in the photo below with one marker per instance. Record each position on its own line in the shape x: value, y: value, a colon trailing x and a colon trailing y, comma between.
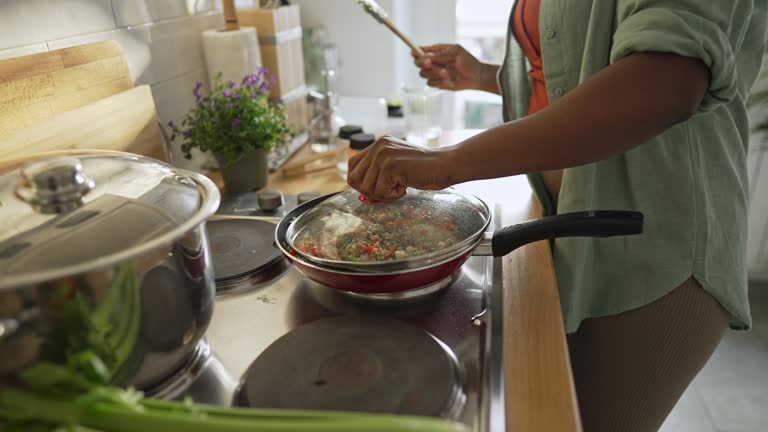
x: 690, y: 182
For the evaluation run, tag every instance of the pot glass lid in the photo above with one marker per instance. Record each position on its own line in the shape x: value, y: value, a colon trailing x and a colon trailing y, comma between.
x: 61, y: 213
x: 348, y: 230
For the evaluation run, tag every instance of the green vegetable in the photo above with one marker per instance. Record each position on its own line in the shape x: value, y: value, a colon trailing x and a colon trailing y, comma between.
x: 110, y: 328
x: 77, y: 398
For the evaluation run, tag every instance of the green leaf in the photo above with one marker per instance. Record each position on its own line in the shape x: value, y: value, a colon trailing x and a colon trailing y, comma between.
x: 209, y: 126
x: 55, y: 380
x: 90, y: 366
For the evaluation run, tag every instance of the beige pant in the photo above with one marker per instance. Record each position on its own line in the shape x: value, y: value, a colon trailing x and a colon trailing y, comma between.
x: 630, y: 369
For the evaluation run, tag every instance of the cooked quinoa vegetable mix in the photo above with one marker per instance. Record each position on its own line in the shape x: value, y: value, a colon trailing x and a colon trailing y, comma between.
x: 387, y: 232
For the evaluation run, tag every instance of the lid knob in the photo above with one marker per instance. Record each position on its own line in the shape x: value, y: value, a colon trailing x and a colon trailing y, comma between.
x: 55, y: 185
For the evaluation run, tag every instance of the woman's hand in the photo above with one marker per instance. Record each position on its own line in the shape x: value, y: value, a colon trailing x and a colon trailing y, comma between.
x: 384, y: 170
x: 451, y: 67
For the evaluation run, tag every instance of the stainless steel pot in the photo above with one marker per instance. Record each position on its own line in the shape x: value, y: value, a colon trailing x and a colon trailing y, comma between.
x: 104, y: 252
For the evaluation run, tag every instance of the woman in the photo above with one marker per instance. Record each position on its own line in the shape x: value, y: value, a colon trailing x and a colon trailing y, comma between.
x: 641, y: 104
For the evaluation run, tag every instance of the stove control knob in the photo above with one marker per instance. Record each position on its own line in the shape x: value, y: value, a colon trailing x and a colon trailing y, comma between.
x: 270, y: 200
x: 307, y: 196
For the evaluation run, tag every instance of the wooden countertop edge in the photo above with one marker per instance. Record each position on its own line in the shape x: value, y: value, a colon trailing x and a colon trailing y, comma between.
x: 539, y: 390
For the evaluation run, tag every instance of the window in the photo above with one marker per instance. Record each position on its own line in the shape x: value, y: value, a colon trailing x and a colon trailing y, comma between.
x: 481, y: 28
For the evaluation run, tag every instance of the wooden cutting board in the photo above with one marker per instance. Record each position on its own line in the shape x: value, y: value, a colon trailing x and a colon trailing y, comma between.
x: 75, y: 98
x: 41, y: 85
x: 125, y: 122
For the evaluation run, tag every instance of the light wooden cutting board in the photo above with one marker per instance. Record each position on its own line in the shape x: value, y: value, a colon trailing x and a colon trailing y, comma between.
x: 75, y: 98
x: 38, y: 86
x: 125, y: 122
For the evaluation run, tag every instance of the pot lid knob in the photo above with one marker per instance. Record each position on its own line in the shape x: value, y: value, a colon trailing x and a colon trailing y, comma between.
x: 55, y: 185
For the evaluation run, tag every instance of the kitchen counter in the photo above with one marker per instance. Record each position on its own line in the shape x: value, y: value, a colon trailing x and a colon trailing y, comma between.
x: 539, y: 392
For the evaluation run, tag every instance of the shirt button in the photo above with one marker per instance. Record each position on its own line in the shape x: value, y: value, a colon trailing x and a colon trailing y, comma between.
x: 559, y: 91
x: 550, y: 33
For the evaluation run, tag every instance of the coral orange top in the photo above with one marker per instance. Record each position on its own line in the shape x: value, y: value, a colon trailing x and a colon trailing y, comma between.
x: 526, y: 30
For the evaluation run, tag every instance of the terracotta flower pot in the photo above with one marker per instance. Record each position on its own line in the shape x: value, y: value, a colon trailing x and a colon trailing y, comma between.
x: 247, y: 174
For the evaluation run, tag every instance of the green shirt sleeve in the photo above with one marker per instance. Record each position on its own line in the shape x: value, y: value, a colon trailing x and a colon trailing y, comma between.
x: 710, y: 30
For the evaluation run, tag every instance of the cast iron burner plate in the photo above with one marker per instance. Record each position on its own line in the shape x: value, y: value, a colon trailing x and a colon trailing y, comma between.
x: 366, y: 364
x: 241, y: 250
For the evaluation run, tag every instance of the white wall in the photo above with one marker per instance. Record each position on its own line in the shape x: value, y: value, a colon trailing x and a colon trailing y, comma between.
x: 374, y: 61
x: 366, y: 48
x: 161, y: 39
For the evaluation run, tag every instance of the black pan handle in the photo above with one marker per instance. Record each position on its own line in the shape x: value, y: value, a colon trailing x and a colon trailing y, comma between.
x: 601, y: 223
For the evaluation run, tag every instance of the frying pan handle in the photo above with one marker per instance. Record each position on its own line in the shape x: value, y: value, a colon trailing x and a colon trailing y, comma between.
x: 602, y: 223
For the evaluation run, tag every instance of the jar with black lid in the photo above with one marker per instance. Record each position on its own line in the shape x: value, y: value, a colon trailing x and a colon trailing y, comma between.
x: 357, y: 142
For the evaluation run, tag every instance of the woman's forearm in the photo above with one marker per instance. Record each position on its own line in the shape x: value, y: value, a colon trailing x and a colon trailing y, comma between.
x: 487, y: 78
x: 623, y: 106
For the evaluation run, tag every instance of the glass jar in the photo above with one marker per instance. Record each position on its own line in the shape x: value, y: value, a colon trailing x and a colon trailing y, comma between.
x: 395, y: 121
x: 357, y: 142
x: 346, y: 132
x: 422, y: 107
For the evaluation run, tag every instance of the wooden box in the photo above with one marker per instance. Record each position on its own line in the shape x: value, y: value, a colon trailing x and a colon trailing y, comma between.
x: 280, y: 34
x: 297, y: 109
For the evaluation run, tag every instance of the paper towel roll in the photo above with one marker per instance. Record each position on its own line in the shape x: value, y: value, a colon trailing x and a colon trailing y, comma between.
x: 234, y: 53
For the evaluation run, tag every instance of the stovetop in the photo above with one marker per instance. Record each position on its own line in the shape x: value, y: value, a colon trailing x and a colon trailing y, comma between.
x: 465, y: 318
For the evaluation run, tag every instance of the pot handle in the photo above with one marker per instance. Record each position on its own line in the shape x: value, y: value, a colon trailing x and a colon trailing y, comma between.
x: 11, y: 325
x: 601, y: 223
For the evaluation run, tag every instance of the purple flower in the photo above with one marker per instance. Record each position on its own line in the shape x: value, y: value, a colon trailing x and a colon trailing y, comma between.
x: 229, y: 105
x: 227, y: 93
x: 235, y: 122
x: 196, y: 91
x: 231, y: 84
x: 255, y: 95
x: 263, y: 86
x: 236, y: 96
x: 272, y: 79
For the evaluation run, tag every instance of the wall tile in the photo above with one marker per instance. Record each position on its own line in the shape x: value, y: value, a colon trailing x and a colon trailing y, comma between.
x: 174, y: 97
x: 156, y: 52
x: 206, y: 5
x: 175, y: 48
x: 134, y: 12
x: 25, y: 22
x: 211, y: 20
x: 23, y: 51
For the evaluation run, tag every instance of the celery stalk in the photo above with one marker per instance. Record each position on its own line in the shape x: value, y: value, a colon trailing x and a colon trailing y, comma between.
x: 158, y: 416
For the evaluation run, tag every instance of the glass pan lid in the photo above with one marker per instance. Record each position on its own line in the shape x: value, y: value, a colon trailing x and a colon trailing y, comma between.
x: 348, y: 231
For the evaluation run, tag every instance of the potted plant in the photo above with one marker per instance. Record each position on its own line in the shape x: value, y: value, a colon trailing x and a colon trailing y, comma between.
x: 238, y: 124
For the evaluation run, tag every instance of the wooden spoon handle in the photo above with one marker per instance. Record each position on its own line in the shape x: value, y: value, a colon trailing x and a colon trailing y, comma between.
x: 403, y: 37
x: 230, y: 15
